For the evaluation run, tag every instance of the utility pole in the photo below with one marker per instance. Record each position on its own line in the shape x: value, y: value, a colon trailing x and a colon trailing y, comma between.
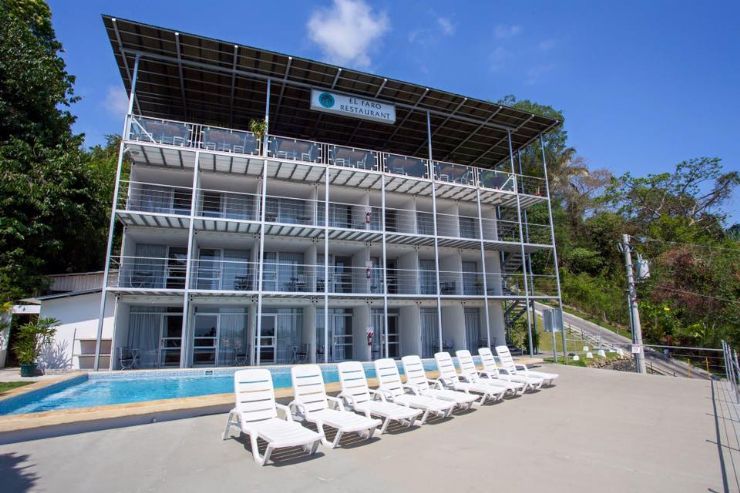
x: 632, y: 302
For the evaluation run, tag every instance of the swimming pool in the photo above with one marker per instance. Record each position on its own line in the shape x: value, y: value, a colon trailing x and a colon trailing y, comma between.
x: 140, y: 386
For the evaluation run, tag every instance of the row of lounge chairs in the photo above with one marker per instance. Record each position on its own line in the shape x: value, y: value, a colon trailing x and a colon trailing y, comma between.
x: 360, y: 409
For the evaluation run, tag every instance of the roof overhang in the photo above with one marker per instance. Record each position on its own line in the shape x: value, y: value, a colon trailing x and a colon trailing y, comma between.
x: 202, y: 80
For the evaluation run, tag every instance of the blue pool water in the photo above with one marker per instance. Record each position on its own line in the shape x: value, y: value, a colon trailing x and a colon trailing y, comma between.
x: 121, y: 387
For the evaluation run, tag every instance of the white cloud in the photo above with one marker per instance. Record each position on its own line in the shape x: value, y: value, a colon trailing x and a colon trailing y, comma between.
x: 446, y: 26
x: 347, y: 31
x: 498, y: 58
x: 546, y: 45
x: 503, y: 31
x: 116, y: 100
x: 535, y: 73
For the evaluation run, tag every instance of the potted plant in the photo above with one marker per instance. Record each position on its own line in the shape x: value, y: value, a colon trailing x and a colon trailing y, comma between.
x: 258, y: 128
x: 32, y: 337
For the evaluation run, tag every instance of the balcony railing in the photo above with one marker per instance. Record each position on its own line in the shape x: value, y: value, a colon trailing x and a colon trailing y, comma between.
x: 147, y: 273
x: 227, y: 205
x: 183, y: 134
x: 154, y: 198
x: 531, y: 185
x: 223, y: 275
x: 454, y: 173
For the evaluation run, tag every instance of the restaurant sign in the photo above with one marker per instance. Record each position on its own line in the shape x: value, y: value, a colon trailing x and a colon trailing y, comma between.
x: 352, y: 106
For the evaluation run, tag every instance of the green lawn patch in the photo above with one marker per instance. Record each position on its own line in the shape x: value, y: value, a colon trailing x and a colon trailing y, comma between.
x: 6, y: 386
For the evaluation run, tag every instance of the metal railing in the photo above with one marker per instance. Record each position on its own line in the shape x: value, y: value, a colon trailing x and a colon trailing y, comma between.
x: 223, y: 275
x: 227, y: 205
x: 154, y: 198
x: 147, y: 273
x: 732, y: 368
x: 454, y: 173
x: 193, y: 135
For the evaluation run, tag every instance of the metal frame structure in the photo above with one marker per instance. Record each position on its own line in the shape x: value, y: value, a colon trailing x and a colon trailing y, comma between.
x: 441, y: 115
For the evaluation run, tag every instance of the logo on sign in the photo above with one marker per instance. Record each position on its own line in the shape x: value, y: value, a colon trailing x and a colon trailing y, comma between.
x: 326, y: 100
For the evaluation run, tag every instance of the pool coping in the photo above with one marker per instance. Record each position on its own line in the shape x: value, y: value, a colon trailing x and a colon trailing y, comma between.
x: 41, y: 384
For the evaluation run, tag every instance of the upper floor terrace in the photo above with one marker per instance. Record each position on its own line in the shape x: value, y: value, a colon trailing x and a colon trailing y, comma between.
x: 166, y: 143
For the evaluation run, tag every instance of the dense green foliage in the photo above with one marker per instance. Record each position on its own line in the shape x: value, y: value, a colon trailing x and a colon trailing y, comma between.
x: 53, y: 197
x: 677, y: 222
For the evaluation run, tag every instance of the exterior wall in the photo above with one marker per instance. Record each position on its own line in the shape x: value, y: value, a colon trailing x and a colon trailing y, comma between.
x: 79, y: 321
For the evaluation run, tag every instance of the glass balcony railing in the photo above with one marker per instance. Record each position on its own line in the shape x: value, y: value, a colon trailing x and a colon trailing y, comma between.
x: 454, y: 173
x: 352, y: 157
x: 183, y: 134
x: 294, y: 149
x: 406, y: 166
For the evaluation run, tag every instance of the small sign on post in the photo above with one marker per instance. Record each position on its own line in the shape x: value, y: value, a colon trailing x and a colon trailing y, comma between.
x: 553, y: 320
x: 636, y: 349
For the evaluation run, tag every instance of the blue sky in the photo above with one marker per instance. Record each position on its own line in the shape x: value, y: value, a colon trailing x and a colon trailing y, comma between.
x: 643, y: 85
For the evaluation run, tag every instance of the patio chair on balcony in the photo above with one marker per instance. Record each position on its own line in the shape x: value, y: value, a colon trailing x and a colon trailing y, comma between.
x: 256, y: 415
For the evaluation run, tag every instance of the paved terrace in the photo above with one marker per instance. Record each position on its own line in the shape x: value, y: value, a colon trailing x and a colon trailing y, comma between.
x: 597, y: 430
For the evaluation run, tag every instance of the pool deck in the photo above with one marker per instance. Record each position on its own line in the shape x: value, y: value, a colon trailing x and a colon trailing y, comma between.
x: 596, y: 430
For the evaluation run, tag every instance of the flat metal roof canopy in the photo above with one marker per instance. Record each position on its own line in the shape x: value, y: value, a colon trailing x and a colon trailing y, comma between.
x: 201, y: 80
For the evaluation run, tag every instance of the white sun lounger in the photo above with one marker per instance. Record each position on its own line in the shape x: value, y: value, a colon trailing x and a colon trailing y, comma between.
x: 393, y: 390
x: 312, y: 404
x: 417, y: 381
x: 491, y: 368
x: 469, y: 373
x: 358, y: 397
x: 256, y: 415
x: 504, y: 355
x: 449, y: 377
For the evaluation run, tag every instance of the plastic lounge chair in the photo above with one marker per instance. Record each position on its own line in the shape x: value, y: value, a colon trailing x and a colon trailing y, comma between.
x: 469, y: 373
x: 394, y: 390
x: 312, y: 404
x: 417, y: 381
x: 358, y: 397
x: 491, y: 368
x: 507, y: 362
x: 256, y: 415
x: 449, y: 377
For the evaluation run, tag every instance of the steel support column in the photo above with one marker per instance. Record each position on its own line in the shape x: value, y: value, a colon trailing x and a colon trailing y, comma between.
x: 186, y: 341
x: 521, y: 244
x: 552, y: 239
x: 261, y: 259
x: 483, y: 264
x: 436, y: 233
x: 112, y: 222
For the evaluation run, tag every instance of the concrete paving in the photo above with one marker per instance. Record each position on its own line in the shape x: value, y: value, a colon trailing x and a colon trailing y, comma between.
x: 597, y: 430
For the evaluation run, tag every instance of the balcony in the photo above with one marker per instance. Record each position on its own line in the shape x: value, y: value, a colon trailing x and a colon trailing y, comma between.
x: 238, y: 142
x: 154, y: 198
x: 223, y: 275
x: 148, y: 273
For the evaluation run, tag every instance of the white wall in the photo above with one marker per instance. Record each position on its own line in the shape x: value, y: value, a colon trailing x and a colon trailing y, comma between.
x: 453, y: 325
x: 78, y: 319
x: 409, y: 330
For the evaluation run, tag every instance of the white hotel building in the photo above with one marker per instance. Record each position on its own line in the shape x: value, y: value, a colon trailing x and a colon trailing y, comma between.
x: 336, y: 235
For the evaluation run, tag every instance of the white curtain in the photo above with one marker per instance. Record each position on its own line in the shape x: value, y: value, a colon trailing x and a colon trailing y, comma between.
x: 429, y: 332
x: 232, y: 344
x: 144, y: 327
x: 472, y: 329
